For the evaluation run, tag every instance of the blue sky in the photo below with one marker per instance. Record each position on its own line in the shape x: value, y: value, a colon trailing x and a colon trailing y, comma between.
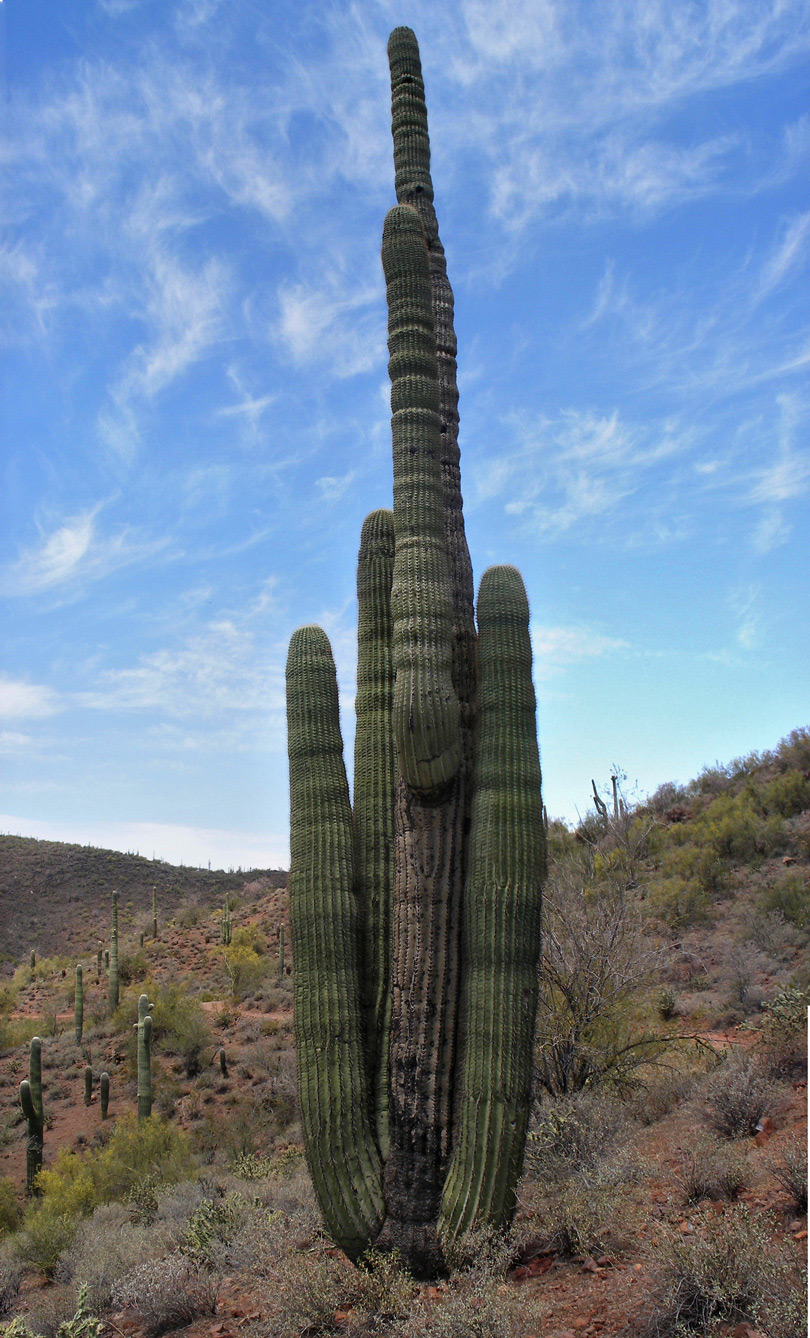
x: 194, y: 395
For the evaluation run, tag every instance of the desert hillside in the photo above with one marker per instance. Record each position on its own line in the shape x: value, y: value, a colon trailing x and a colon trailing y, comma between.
x: 664, y: 1192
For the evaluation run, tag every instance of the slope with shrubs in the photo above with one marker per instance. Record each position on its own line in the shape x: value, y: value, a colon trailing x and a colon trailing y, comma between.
x: 665, y: 1187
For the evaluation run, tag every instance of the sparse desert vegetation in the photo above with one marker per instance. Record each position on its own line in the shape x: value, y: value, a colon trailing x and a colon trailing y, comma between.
x: 665, y: 1184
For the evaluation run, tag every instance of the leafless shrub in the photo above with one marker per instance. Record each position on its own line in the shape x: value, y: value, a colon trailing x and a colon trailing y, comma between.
x: 105, y: 1247
x: 790, y: 1170
x: 726, y: 1272
x: 167, y: 1293
x: 738, y: 1095
x: 10, y: 1277
x: 711, y: 1171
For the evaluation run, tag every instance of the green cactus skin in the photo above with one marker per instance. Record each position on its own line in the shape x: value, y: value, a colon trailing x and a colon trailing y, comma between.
x: 144, y: 1029
x: 375, y: 774
x: 338, y: 1132
x: 104, y: 1093
x: 33, y: 960
x: 435, y: 948
x: 501, y: 919
x: 281, y: 952
x: 31, y: 1103
x: 223, y: 1063
x: 114, y: 988
x: 98, y: 965
x: 225, y: 924
x: 88, y: 1085
x: 78, y: 1006
x: 154, y: 912
x: 106, y: 959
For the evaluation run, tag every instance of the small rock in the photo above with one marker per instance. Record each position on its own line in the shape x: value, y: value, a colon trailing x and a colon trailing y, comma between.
x: 590, y: 1265
x: 686, y: 1228
x: 579, y: 1324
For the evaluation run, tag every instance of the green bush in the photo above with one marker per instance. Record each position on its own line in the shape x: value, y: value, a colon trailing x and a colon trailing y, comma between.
x: 789, y: 894
x: 787, y: 795
x: 139, y: 1154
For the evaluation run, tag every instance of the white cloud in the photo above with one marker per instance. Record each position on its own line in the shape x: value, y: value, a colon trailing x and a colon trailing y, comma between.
x: 555, y: 648
x: 72, y: 553
x: 218, y: 673
x: 337, y: 323
x: 788, y: 255
x: 20, y: 700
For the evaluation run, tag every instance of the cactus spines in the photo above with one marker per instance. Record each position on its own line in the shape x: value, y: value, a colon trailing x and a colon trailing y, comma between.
x: 144, y: 1029
x: 78, y: 1006
x: 416, y: 915
x: 88, y: 1084
x: 114, y: 990
x: 104, y: 1093
x: 31, y: 1103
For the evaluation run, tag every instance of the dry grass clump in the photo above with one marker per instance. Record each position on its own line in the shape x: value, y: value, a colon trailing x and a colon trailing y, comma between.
x: 167, y: 1293
x: 738, y: 1095
x: 728, y: 1272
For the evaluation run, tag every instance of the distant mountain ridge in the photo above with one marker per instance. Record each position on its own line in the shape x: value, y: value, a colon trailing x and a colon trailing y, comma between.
x: 51, y: 891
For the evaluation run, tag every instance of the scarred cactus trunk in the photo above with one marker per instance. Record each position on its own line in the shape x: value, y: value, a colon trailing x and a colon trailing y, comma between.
x: 416, y: 916
x: 31, y: 1103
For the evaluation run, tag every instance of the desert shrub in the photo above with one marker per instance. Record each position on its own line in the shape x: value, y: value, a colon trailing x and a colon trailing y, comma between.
x: 738, y: 1094
x: 382, y: 1288
x: 789, y: 894
x: 167, y: 1293
x: 596, y: 970
x: 212, y: 1227
x: 787, y: 795
x: 9, y: 1206
x: 727, y: 1271
x: 659, y: 1093
x: 307, y: 1289
x: 10, y: 1277
x: 574, y: 1132
x: 790, y: 1170
x: 138, y: 1156
x: 245, y: 966
x: 105, y: 1247
x: 784, y: 1032
x: 711, y: 1171
x: 470, y: 1307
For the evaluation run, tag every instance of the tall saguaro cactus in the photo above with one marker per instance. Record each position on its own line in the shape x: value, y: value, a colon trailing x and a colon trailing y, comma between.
x: 144, y: 1030
x: 415, y: 911
x: 114, y: 988
x: 78, y: 1006
x: 31, y: 1103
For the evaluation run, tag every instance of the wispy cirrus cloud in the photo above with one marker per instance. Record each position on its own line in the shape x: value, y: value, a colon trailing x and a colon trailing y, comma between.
x: 73, y: 552
x: 556, y: 648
